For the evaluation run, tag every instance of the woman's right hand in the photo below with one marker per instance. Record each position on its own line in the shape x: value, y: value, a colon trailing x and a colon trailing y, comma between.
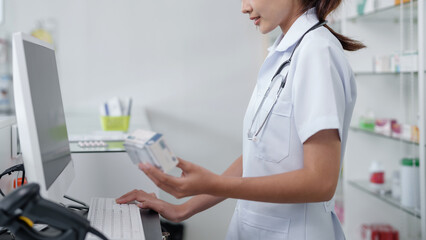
x: 174, y: 213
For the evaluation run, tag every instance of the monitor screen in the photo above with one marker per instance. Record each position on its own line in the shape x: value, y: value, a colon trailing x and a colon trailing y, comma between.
x: 48, y: 110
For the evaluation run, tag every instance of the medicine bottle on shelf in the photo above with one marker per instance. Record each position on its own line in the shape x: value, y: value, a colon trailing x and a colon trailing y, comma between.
x: 377, y: 176
x: 410, y: 180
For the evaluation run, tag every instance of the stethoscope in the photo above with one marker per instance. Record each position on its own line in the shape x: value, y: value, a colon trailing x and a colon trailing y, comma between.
x: 252, y: 135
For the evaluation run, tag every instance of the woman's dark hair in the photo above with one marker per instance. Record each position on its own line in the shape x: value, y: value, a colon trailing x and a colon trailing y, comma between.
x: 323, y: 8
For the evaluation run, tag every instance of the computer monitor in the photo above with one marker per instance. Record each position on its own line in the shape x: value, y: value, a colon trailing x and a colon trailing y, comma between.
x: 40, y: 116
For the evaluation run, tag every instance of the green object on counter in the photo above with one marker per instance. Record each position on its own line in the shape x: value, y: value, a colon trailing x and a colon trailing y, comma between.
x: 409, y: 162
x: 120, y: 123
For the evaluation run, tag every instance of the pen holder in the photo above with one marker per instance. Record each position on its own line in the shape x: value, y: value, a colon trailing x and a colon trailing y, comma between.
x: 120, y: 123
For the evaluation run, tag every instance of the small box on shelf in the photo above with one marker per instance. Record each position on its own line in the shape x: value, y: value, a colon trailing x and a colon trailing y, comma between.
x: 397, y: 2
x: 389, y: 128
x: 367, y: 122
x: 365, y: 7
x: 396, y: 63
x: 379, y: 231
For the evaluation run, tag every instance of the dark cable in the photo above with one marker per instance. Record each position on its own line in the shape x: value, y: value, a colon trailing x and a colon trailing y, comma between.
x: 83, y: 209
x: 75, y: 200
x: 23, y: 177
x: 18, y: 167
x: 78, y: 207
x: 97, y: 233
x: 3, y: 231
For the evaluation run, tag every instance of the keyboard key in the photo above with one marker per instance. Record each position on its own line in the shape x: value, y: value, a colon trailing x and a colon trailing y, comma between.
x: 137, y: 229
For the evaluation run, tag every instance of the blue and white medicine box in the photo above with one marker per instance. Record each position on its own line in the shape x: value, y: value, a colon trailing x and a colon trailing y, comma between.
x: 149, y: 147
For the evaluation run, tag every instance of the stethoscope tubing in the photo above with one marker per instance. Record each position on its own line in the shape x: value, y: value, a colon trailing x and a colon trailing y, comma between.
x: 283, y: 82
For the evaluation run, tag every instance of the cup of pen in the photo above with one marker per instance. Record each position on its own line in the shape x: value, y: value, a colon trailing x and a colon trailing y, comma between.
x: 115, y: 123
x: 115, y: 114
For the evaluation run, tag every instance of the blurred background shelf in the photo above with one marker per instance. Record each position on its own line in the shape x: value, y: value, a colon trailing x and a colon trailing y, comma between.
x: 357, y: 129
x: 384, y: 73
x: 386, y: 197
x: 388, y: 13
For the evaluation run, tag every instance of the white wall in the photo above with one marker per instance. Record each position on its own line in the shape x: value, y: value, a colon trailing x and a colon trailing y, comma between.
x: 192, y: 64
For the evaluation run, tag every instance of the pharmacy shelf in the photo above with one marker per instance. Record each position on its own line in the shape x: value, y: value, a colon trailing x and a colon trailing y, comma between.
x: 385, y: 196
x: 357, y: 129
x: 384, y: 73
x: 388, y: 13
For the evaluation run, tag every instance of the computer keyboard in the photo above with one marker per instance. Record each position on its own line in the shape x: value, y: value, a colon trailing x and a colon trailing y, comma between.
x: 115, y: 221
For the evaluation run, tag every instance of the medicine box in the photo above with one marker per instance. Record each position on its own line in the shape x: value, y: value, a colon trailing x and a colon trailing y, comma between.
x: 150, y: 147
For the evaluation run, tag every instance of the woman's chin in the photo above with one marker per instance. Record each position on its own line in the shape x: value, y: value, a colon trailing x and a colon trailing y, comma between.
x: 264, y: 30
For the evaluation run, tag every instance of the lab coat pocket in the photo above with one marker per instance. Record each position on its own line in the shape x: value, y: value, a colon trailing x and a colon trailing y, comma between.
x: 256, y: 226
x: 274, y: 143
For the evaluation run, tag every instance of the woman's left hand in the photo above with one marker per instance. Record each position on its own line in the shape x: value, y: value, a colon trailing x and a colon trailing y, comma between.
x: 193, y: 181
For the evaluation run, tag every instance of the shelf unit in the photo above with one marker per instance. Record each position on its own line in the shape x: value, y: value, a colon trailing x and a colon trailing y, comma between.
x: 384, y: 196
x: 384, y: 73
x: 357, y: 129
x: 392, y: 95
x: 386, y: 13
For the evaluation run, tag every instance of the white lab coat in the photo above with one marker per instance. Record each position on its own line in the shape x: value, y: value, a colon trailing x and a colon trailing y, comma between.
x: 320, y: 93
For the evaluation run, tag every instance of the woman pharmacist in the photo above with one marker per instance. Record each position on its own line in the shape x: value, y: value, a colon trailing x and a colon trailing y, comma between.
x: 294, y: 136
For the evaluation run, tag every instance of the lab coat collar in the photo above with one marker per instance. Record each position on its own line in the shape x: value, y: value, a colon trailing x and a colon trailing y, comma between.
x: 299, y: 27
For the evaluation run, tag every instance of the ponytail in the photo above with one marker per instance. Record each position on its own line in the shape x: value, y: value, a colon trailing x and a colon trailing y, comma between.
x: 325, y: 7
